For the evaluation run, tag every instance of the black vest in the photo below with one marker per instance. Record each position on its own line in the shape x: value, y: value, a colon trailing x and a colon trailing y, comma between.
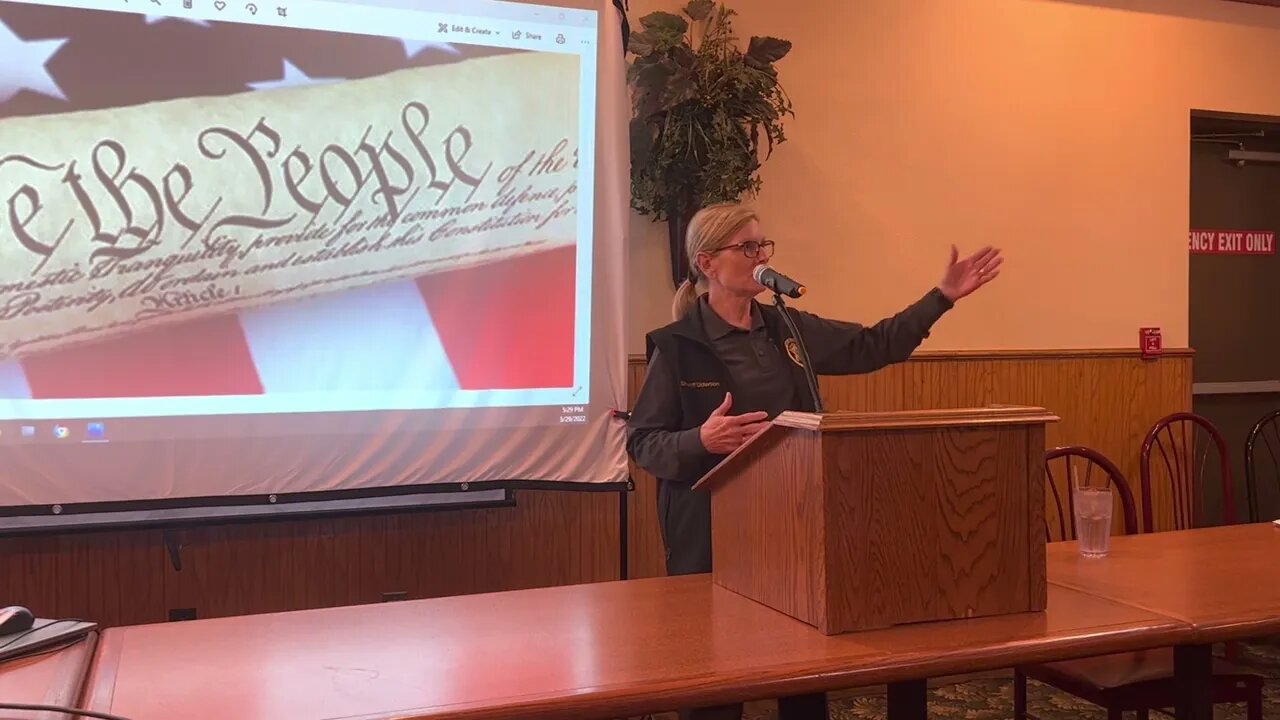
x: 703, y: 378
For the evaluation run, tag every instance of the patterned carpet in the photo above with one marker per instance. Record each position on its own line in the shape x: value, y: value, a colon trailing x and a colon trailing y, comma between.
x: 991, y: 698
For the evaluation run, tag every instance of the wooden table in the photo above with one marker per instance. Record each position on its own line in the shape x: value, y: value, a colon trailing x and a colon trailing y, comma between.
x: 52, y: 678
x: 1223, y: 582
x: 592, y: 651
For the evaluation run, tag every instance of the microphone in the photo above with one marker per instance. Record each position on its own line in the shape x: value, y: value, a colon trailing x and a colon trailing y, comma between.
x: 782, y: 285
x: 778, y: 282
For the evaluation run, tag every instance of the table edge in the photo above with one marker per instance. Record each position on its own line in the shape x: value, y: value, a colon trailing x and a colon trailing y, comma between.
x: 793, y: 679
x: 72, y: 672
x: 1226, y: 630
x: 100, y: 684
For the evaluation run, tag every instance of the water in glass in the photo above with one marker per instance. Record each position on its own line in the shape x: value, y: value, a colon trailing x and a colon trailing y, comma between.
x: 1093, y: 520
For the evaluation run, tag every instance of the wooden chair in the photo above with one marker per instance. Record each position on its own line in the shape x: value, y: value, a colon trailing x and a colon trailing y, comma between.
x: 1266, y: 430
x: 1134, y: 681
x: 1093, y: 461
x: 1177, y: 450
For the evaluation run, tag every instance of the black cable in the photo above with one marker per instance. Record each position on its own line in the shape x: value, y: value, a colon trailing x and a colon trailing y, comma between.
x: 809, y: 375
x: 60, y: 709
x: 626, y: 25
x: 37, y: 629
x: 44, y: 651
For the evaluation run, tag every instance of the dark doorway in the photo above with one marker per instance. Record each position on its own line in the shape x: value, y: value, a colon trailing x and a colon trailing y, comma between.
x: 1234, y: 320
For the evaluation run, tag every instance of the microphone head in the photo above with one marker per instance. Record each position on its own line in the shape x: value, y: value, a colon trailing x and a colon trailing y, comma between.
x: 777, y: 282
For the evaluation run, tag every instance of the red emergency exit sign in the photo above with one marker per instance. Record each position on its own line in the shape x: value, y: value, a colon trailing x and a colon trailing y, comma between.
x: 1233, y: 242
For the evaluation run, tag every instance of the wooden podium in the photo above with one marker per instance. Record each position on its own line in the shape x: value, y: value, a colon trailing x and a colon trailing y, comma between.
x: 853, y: 521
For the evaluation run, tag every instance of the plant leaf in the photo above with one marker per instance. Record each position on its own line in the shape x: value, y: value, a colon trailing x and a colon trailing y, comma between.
x: 764, y: 51
x: 681, y: 87
x: 699, y: 10
x: 664, y: 24
x: 641, y: 43
x: 653, y: 76
x: 639, y: 64
x: 641, y: 140
x: 649, y: 104
x: 683, y: 57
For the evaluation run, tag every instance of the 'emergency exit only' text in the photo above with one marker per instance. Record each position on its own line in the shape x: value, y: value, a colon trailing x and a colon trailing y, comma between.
x: 1233, y: 242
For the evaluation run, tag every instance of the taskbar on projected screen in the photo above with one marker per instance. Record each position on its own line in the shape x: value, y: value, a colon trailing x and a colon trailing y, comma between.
x: 327, y: 424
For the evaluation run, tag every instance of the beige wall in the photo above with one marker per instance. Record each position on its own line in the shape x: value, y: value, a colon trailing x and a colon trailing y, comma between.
x: 1056, y: 129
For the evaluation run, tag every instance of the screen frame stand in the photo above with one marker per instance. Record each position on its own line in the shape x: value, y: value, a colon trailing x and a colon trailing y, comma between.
x: 807, y: 366
x: 624, y: 549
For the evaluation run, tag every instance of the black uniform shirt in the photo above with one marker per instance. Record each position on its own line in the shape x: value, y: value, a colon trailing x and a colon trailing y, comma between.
x: 760, y: 376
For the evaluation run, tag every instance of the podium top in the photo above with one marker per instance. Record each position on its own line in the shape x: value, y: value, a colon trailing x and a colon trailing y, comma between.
x: 844, y: 421
x: 941, y: 417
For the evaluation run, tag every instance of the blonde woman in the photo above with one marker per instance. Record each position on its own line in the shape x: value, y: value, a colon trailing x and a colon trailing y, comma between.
x: 726, y: 365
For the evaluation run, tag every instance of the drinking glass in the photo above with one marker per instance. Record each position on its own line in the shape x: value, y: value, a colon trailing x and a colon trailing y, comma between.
x: 1093, y: 519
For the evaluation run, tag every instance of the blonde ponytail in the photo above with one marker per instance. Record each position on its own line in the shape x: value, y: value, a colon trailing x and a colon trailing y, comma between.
x: 710, y: 229
x: 686, y: 296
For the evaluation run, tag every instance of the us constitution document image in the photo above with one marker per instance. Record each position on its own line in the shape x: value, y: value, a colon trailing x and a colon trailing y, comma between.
x: 120, y: 219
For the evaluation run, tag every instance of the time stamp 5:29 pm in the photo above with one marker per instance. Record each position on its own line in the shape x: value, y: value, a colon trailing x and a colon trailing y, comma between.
x: 573, y: 414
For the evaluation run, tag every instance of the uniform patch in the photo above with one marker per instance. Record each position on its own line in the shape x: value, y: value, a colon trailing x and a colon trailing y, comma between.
x: 793, y: 351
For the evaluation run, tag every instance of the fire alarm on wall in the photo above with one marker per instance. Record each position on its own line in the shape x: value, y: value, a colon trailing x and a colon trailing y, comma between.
x: 1150, y: 342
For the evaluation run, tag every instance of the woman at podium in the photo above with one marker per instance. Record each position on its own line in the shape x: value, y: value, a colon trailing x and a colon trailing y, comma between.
x: 727, y: 364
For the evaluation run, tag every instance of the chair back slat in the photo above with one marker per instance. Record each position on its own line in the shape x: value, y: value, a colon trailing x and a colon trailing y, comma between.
x: 1057, y: 502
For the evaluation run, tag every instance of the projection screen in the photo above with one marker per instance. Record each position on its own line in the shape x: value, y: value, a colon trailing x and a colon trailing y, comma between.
x: 271, y: 257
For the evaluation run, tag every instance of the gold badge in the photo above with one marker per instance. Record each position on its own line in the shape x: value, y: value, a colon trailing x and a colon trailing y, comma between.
x: 793, y: 351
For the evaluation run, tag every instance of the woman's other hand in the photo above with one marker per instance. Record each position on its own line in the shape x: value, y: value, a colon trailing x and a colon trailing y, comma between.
x: 723, y: 433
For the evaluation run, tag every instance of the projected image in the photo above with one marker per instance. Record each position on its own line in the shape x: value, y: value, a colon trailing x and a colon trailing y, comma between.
x: 201, y: 217
x: 305, y: 256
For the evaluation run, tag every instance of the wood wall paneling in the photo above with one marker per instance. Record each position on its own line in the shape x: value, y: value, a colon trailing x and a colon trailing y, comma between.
x: 1106, y: 399
x: 126, y: 577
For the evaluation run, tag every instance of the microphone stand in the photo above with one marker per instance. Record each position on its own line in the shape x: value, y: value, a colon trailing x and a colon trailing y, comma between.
x: 804, y: 352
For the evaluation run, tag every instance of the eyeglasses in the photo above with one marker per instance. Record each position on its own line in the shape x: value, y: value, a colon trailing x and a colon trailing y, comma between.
x: 751, y: 248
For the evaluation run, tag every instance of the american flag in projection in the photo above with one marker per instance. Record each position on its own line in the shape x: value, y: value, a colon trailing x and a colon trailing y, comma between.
x: 504, y: 325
